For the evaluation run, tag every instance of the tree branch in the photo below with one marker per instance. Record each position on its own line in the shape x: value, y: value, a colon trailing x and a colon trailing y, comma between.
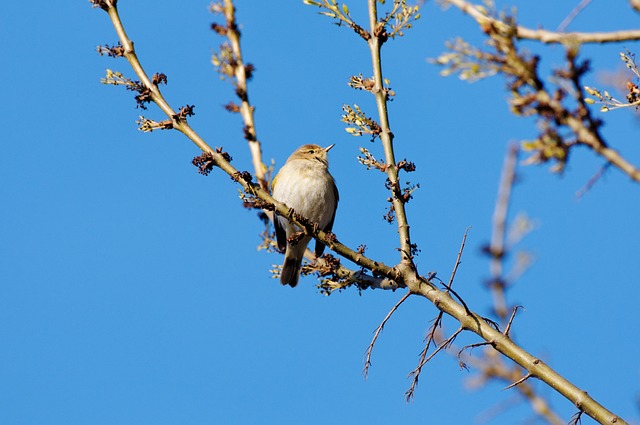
x: 545, y: 36
x: 378, y: 36
x: 502, y: 343
x: 497, y: 249
x: 246, y: 110
x: 403, y: 274
x: 219, y: 159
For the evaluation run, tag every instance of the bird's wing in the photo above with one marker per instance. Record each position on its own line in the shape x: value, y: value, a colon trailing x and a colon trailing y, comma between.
x: 319, y: 245
x: 281, y: 233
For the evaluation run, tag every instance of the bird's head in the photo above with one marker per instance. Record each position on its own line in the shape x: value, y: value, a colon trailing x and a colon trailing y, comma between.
x: 312, y: 153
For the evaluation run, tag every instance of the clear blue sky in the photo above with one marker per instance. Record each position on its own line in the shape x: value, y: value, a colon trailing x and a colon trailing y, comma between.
x: 131, y: 291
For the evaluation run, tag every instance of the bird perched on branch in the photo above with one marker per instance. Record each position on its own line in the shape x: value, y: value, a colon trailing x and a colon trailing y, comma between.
x: 304, y: 184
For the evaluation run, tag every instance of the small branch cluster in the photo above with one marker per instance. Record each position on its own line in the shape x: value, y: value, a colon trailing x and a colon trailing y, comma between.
x: 369, y: 161
x: 226, y: 64
x: 558, y: 109
x: 470, y: 63
x: 340, y: 13
x: 407, y: 166
x: 115, y: 51
x: 358, y: 82
x: 144, y: 93
x: 148, y: 125
x: 608, y: 102
x: 362, y: 124
x: 403, y: 17
x: 117, y: 79
x: 206, y: 161
x: 104, y: 4
x: 529, y: 94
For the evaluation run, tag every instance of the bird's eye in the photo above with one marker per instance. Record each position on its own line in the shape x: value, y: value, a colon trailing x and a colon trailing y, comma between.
x: 311, y: 151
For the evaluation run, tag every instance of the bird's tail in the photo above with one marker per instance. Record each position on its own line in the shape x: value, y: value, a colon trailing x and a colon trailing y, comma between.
x: 291, y: 269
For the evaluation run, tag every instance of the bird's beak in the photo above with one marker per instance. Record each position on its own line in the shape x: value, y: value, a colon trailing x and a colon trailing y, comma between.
x: 328, y: 148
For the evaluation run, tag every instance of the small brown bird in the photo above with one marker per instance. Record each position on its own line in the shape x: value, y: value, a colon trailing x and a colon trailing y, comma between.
x: 304, y: 184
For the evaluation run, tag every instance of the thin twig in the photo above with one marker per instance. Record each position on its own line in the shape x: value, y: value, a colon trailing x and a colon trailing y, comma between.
x: 513, y: 315
x: 572, y: 15
x: 445, y: 344
x: 518, y: 382
x: 497, y: 249
x: 367, y: 363
x: 593, y: 180
x: 458, y: 259
x: 576, y: 418
x: 470, y: 347
x: 415, y: 374
x: 431, y: 336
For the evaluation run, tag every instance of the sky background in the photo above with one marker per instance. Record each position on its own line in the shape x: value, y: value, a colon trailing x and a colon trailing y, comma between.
x: 131, y: 291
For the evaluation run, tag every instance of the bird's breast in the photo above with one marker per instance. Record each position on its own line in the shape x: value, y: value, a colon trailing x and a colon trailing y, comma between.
x: 308, y: 189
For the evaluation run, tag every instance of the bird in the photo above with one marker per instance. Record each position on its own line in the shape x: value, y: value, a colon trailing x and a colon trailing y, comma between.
x: 305, y: 185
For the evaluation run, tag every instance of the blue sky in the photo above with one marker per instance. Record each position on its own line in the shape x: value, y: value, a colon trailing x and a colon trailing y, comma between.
x: 131, y: 291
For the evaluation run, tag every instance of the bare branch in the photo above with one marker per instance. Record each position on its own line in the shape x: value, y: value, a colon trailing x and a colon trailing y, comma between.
x: 545, y: 36
x: 415, y: 374
x: 379, y: 329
